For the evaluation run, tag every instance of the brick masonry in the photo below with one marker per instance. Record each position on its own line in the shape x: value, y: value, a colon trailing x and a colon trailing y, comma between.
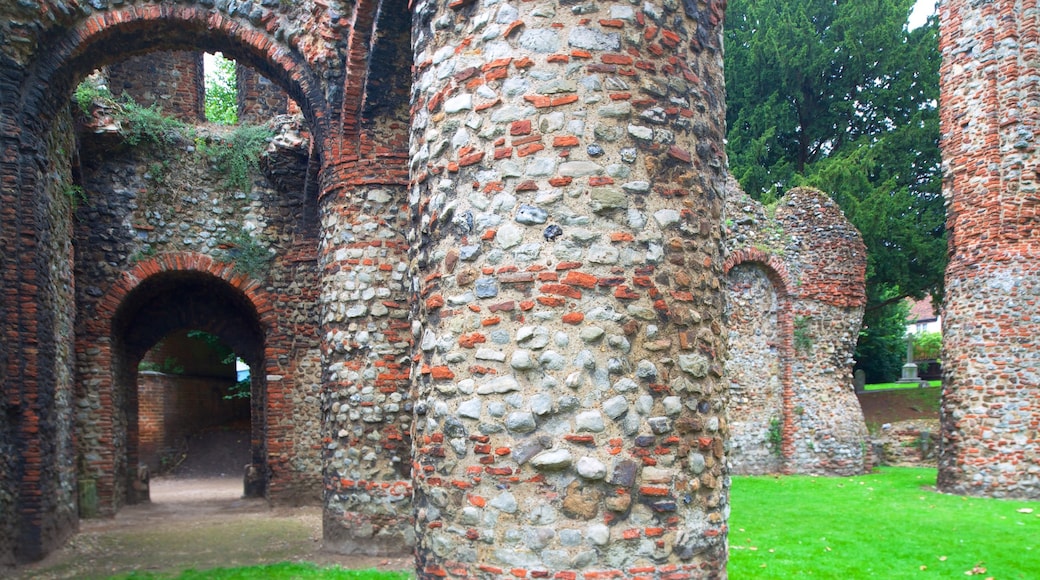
x: 170, y: 80
x: 991, y: 365
x: 795, y: 281
x: 493, y: 321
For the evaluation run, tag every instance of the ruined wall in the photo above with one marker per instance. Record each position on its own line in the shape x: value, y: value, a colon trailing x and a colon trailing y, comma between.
x: 172, y: 81
x: 47, y: 47
x: 991, y: 366
x: 755, y: 370
x: 258, y: 98
x: 368, y: 401
x: 568, y: 177
x: 796, y: 294
x: 145, y: 203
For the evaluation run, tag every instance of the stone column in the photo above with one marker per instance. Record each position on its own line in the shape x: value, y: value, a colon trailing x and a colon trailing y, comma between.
x: 366, y: 409
x: 567, y: 178
x: 991, y: 367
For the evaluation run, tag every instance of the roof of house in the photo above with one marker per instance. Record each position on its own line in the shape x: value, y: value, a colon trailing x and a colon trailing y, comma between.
x: 922, y: 311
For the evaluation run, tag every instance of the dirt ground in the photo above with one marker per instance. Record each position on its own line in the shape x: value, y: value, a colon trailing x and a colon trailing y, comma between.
x: 198, y: 519
x: 880, y: 407
x: 196, y: 523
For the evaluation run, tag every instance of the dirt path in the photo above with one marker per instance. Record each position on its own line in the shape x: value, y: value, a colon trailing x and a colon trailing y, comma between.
x: 196, y: 523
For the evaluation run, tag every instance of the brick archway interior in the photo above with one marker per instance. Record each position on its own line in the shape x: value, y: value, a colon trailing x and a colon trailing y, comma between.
x: 164, y: 303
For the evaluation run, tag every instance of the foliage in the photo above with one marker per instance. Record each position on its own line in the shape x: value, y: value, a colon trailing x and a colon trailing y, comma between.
x: 75, y: 194
x: 775, y: 436
x: 283, y: 571
x: 247, y: 254
x: 238, y: 155
x: 239, y: 389
x: 138, y: 125
x: 842, y: 97
x: 802, y: 335
x: 147, y: 125
x: 221, y: 92
x: 90, y: 91
x: 881, y: 351
x: 889, y: 524
x: 169, y: 366
x: 927, y: 345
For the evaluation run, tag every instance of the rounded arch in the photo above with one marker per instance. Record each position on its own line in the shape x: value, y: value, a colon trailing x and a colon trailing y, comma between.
x: 166, y: 293
x: 140, y: 29
x: 775, y: 270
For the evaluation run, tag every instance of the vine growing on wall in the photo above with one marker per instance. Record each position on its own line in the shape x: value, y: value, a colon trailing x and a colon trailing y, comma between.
x: 802, y: 334
x: 237, y: 155
x: 137, y: 124
x: 775, y: 436
x: 248, y: 255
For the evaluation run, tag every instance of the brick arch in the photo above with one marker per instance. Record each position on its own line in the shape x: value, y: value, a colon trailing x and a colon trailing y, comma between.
x: 107, y: 370
x: 143, y: 28
x: 109, y: 304
x: 777, y: 273
x: 774, y: 268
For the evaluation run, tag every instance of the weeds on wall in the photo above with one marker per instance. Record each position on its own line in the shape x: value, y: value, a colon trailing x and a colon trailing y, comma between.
x: 247, y: 254
x: 138, y: 125
x: 802, y: 334
x: 237, y: 156
x: 775, y: 436
x: 75, y: 194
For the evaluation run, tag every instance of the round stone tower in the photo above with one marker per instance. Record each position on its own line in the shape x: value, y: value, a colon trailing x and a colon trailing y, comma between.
x: 567, y: 169
x: 990, y: 114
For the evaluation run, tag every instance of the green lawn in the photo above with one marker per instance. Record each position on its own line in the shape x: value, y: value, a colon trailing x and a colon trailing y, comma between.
x: 883, y: 386
x: 890, y: 524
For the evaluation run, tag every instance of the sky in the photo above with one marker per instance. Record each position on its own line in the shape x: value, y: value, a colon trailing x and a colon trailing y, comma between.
x: 922, y: 10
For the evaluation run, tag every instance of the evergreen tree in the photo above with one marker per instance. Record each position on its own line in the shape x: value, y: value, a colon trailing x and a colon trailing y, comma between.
x: 839, y: 95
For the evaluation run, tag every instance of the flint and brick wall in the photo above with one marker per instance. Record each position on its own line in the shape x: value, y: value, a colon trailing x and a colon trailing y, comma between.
x: 173, y: 81
x: 567, y: 167
x: 795, y: 304
x: 991, y: 364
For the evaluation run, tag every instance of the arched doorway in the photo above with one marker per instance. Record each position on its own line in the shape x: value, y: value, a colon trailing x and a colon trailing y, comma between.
x: 755, y: 370
x: 162, y: 305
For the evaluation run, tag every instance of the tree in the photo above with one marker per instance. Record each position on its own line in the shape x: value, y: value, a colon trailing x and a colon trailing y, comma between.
x: 839, y: 95
x: 221, y: 92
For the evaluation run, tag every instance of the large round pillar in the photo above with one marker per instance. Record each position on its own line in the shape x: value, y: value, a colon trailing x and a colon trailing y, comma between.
x: 567, y: 177
x: 366, y: 405
x: 991, y: 366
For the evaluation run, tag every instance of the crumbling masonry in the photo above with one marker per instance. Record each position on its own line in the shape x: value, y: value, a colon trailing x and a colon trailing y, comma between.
x: 990, y: 114
x: 795, y: 296
x: 491, y: 325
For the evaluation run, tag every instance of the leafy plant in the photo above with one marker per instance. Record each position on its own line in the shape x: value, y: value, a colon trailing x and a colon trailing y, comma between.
x: 802, y: 334
x: 238, y: 156
x: 76, y: 194
x: 239, y: 389
x: 89, y: 92
x: 927, y: 345
x: 775, y: 436
x: 169, y: 366
x: 249, y: 256
x: 221, y: 92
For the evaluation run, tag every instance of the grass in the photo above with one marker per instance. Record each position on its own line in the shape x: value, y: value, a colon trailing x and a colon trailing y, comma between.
x: 890, y: 524
x: 886, y: 386
x: 283, y: 571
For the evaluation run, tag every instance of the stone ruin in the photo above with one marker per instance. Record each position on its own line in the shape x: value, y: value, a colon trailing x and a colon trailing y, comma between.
x: 490, y: 327
x: 795, y: 276
x: 990, y: 118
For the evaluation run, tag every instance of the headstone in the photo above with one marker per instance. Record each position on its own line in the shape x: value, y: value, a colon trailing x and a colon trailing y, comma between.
x: 859, y: 380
